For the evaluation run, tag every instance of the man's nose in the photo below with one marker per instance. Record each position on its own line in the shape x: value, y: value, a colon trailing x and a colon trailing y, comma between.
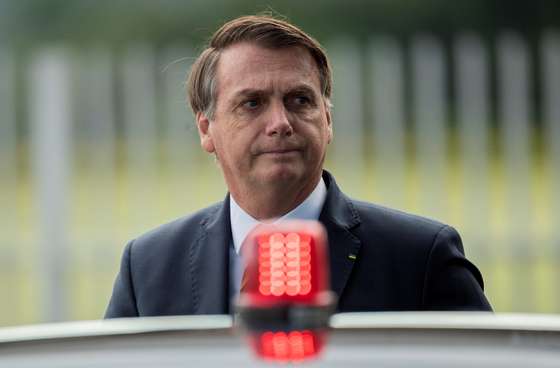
x: 278, y: 121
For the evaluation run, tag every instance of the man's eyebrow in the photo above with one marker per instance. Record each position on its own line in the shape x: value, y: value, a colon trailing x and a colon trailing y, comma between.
x: 245, y: 92
x: 302, y: 88
x: 252, y: 92
x: 248, y: 92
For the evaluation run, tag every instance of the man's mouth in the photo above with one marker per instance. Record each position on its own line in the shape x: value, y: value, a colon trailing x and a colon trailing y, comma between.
x: 280, y: 152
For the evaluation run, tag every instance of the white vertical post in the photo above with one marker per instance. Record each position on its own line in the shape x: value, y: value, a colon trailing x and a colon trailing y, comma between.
x: 9, y: 230
x: 8, y: 115
x: 551, y: 98
x: 97, y: 149
x: 514, y: 108
x: 101, y: 132
x: 8, y: 136
x: 180, y: 135
x: 140, y: 134
x: 179, y: 125
x: 514, y: 112
x: 348, y: 147
x: 96, y: 135
x: 387, y: 111
x: 97, y: 89
x: 472, y: 91
x: 550, y: 56
x: 50, y: 128
x: 430, y: 123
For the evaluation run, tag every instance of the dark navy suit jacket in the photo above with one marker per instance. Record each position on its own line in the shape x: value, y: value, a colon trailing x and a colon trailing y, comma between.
x: 381, y: 260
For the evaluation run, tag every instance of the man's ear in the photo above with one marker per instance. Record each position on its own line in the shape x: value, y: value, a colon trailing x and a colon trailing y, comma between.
x: 329, y: 121
x: 203, y: 124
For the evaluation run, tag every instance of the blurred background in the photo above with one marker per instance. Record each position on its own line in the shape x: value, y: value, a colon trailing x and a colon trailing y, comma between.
x: 448, y: 109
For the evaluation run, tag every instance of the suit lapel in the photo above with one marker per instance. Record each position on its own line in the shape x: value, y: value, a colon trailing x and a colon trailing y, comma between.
x: 339, y: 216
x: 209, y: 256
x: 209, y: 263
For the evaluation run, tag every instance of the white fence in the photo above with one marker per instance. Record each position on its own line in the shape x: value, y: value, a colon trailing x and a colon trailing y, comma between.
x: 98, y: 145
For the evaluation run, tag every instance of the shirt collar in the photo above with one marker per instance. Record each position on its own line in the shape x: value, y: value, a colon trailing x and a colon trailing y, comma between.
x: 309, y: 209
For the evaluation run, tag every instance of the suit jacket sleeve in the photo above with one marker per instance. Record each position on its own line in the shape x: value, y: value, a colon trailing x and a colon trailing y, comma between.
x: 451, y: 281
x: 123, y: 300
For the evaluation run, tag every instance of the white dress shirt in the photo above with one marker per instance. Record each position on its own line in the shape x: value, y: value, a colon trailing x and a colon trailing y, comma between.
x: 242, y: 223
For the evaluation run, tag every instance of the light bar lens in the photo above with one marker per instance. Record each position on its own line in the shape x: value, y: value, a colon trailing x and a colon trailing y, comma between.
x: 288, y: 346
x: 284, y: 264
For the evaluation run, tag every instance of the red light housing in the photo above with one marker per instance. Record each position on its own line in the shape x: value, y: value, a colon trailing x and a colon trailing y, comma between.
x: 284, y: 301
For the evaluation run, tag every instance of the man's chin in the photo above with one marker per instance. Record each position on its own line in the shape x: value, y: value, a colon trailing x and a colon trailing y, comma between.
x: 280, y: 174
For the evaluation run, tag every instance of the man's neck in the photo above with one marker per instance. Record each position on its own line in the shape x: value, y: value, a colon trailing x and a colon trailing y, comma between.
x: 273, y: 202
x: 242, y: 222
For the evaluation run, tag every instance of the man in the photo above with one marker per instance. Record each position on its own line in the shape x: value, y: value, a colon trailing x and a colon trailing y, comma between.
x: 260, y: 93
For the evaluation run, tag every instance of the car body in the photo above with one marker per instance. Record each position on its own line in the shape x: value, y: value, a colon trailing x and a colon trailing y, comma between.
x: 355, y: 340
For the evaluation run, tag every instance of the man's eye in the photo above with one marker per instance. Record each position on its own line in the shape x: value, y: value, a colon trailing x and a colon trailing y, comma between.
x: 302, y: 100
x: 251, y: 104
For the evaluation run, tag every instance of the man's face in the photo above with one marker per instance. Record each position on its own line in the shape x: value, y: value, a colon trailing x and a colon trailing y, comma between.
x: 271, y: 124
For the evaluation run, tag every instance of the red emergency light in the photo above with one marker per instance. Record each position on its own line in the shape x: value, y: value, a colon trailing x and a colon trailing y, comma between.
x: 285, y: 301
x: 288, y: 346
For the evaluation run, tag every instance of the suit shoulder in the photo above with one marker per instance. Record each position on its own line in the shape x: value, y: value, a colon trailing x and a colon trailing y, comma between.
x: 393, y: 220
x: 181, y: 229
